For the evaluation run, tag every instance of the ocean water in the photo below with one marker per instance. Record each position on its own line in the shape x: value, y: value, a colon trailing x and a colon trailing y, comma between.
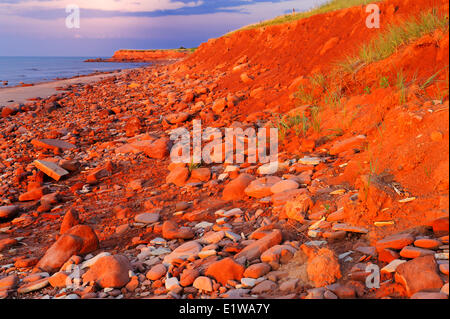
x: 44, y: 69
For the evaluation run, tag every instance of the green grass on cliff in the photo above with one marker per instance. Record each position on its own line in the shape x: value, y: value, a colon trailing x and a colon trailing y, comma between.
x: 387, y: 43
x: 329, y: 6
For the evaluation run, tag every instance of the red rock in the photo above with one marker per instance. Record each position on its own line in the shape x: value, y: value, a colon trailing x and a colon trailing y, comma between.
x: 397, y: 241
x: 96, y: 175
x: 7, y: 242
x: 444, y: 268
x: 261, y: 187
x: 224, y: 270
x: 203, y: 283
x: 178, y: 176
x: 284, y: 185
x: 50, y: 169
x: 298, y: 207
x: 132, y: 284
x: 427, y: 243
x: 88, y: 235
x: 234, y: 190
x: 349, y: 228
x: 8, y: 211
x: 33, y: 194
x: 188, y: 276
x: 59, y: 280
x: 219, y: 105
x: 156, y: 272
x: 264, y: 287
x: 201, y: 174
x: 282, y: 198
x: 53, y: 144
x: 414, y: 252
x: 255, y: 249
x: 419, y: 274
x: 133, y: 127
x: 26, y: 262
x: 158, y: 149
x: 170, y: 230
x: 322, y: 267
x: 33, y: 286
x: 278, y: 254
x: 109, y: 272
x: 343, y: 291
x: 351, y: 143
x: 187, y: 250
x: 9, y: 282
x: 257, y: 270
x: 70, y: 219
x: 177, y: 118
x: 66, y: 246
x: 147, y: 218
x: 387, y: 255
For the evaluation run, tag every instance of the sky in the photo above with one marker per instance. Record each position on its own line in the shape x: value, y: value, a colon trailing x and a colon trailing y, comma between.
x: 39, y: 27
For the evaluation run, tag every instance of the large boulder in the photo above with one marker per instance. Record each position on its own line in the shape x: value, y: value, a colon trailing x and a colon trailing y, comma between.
x: 65, y: 247
x: 419, y: 274
x: 88, y: 235
x: 224, y: 270
x: 109, y: 272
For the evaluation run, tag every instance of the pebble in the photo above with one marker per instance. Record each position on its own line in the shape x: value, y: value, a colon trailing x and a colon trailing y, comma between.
x: 203, y: 283
x: 414, y: 252
x: 147, y: 218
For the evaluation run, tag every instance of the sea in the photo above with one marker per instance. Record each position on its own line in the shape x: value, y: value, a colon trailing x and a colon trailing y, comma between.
x: 28, y: 70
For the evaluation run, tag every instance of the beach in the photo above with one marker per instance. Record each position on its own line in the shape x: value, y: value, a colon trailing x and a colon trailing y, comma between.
x: 22, y: 94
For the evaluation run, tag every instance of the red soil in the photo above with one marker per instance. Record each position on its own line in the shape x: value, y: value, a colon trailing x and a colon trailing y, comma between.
x: 147, y: 55
x: 316, y: 44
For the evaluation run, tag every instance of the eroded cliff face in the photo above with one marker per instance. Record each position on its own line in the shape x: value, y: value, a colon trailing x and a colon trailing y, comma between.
x: 148, y: 55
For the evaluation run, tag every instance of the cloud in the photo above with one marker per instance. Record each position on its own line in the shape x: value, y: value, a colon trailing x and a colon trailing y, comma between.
x: 103, y: 5
x: 54, y: 9
x: 102, y: 32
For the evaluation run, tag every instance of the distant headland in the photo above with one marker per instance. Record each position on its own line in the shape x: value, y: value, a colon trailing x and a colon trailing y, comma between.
x: 145, y: 55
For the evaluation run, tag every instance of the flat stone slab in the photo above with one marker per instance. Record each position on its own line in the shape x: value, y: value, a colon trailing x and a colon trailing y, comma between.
x: 349, y: 228
x: 147, y: 218
x: 53, y: 144
x: 51, y: 169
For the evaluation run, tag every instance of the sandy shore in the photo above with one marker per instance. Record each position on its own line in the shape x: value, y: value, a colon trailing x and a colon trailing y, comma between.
x: 15, y: 95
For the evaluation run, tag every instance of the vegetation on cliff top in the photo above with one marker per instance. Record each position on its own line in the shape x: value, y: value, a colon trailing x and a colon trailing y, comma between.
x: 332, y: 5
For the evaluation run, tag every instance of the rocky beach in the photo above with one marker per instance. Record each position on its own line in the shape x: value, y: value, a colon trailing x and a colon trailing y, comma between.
x: 92, y: 206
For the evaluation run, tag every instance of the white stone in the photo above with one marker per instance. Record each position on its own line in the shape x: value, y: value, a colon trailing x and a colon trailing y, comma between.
x: 231, y: 168
x: 248, y: 282
x: 204, y: 225
x: 91, y: 261
x: 158, y: 241
x: 307, y: 160
x: 268, y: 169
x: 392, y: 266
x: 207, y: 253
x: 172, y: 283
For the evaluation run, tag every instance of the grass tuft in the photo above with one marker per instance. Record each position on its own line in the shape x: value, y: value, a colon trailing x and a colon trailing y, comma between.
x: 332, y: 5
x: 388, y: 42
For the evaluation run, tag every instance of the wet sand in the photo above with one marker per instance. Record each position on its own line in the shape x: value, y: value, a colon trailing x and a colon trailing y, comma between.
x: 20, y: 94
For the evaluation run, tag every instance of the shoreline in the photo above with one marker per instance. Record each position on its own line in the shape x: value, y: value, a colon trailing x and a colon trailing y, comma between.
x: 26, y: 93
x: 23, y: 94
x: 60, y: 79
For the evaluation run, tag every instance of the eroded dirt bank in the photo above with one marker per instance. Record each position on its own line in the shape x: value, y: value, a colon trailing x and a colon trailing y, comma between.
x: 365, y: 182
